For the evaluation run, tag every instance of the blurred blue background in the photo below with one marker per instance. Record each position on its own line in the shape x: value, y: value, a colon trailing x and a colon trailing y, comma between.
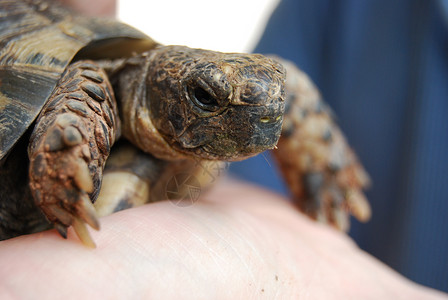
x: 383, y: 67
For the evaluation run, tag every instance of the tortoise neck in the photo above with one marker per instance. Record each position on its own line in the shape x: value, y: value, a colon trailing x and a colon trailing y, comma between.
x: 137, y: 124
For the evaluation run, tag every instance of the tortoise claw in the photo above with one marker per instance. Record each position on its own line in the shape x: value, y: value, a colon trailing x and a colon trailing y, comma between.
x: 64, y: 218
x: 340, y: 219
x: 82, y: 176
x: 87, y: 212
x: 83, y: 234
x: 358, y: 205
x: 61, y: 191
x: 62, y: 229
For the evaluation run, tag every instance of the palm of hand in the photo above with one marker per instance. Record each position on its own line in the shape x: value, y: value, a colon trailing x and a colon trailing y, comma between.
x: 238, y: 241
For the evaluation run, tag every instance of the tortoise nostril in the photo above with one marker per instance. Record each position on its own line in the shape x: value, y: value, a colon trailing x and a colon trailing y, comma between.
x: 269, y: 119
x: 265, y: 119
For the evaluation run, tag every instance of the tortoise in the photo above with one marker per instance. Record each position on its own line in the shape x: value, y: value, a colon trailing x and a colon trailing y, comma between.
x: 96, y: 117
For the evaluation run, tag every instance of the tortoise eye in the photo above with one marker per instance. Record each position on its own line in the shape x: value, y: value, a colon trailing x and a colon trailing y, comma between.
x: 204, y: 100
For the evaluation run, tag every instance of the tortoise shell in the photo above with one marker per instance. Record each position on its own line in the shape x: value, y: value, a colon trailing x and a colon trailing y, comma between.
x: 38, y: 40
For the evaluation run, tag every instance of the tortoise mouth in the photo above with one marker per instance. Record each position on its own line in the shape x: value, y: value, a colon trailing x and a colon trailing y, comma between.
x: 209, y: 151
x: 240, y: 132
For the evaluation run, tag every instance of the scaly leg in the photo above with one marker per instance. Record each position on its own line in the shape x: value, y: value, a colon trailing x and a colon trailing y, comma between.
x: 69, y: 147
x: 323, y: 173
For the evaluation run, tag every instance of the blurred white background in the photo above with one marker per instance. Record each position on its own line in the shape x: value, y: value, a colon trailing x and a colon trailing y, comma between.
x: 229, y: 26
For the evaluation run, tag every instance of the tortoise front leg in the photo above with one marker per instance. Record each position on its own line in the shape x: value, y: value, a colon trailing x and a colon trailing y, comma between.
x: 323, y: 173
x: 69, y: 147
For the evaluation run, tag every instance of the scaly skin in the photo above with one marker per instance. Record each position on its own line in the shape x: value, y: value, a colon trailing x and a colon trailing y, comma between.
x: 69, y: 147
x: 323, y: 173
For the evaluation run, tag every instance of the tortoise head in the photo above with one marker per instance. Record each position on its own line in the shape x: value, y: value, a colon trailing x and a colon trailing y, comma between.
x: 215, y: 105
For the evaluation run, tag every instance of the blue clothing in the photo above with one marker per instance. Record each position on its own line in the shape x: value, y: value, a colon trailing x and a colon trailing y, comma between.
x: 383, y: 67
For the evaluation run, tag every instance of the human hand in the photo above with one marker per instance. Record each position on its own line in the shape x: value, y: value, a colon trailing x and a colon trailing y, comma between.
x: 237, y: 242
x: 106, y: 8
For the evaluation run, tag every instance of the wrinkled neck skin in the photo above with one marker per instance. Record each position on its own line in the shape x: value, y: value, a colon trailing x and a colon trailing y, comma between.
x: 137, y: 125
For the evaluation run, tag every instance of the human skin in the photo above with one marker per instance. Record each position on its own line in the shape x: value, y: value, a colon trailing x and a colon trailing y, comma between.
x: 104, y: 8
x: 237, y: 242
